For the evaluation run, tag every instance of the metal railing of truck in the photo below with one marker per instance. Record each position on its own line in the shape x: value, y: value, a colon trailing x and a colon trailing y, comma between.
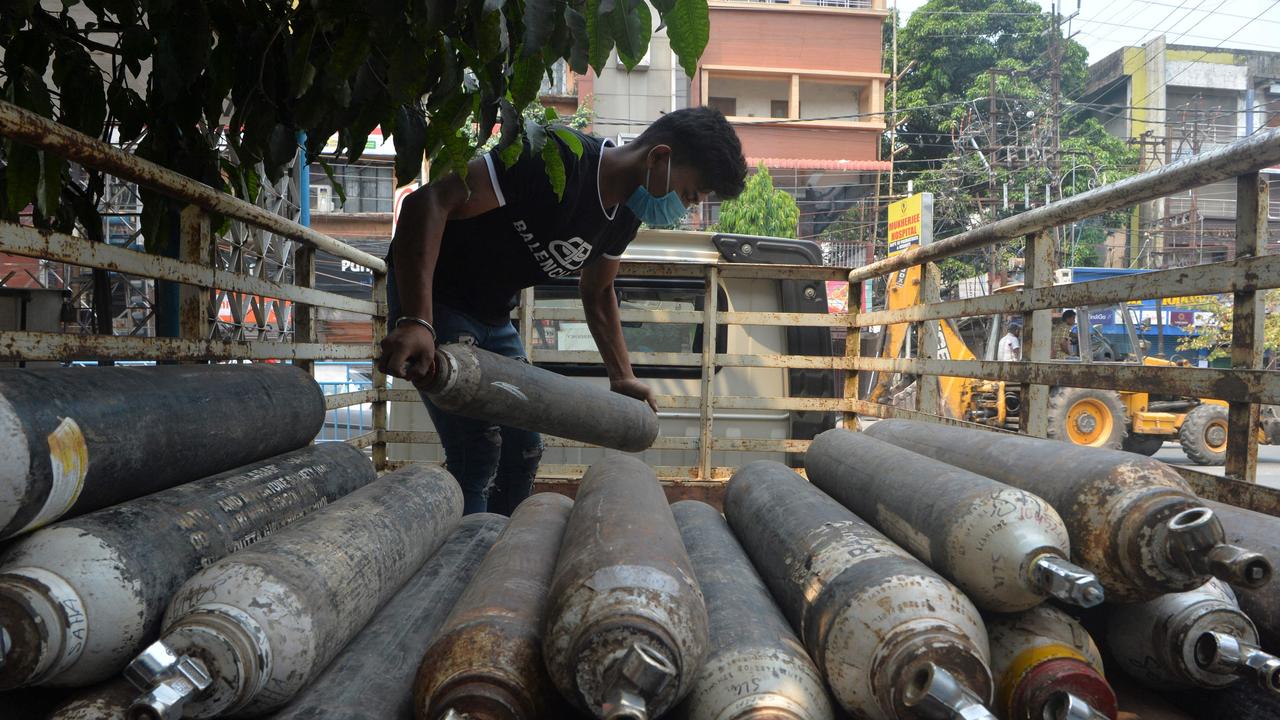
x: 196, y: 269
x: 1245, y: 386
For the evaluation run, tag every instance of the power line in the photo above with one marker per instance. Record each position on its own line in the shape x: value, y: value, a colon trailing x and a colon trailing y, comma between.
x: 1206, y: 52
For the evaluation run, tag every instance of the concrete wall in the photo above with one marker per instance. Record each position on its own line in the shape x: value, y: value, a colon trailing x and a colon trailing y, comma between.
x: 626, y: 102
x: 829, y: 100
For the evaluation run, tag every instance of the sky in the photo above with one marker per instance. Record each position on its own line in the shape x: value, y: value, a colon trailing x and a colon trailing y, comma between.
x: 1103, y: 26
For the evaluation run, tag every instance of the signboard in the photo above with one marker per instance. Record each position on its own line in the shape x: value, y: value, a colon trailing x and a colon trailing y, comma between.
x: 375, y: 146
x: 396, y: 201
x: 910, y: 223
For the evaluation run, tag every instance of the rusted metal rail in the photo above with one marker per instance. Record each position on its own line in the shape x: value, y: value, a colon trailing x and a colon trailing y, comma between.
x: 195, y: 270
x: 1244, y: 386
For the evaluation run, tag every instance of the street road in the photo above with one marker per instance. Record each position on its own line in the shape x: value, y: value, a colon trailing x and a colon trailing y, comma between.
x: 1268, y: 462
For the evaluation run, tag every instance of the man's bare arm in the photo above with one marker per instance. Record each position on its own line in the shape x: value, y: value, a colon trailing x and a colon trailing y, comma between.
x: 409, y: 350
x: 600, y: 303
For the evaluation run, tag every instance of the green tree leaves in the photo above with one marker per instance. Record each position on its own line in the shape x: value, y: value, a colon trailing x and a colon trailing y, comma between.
x: 250, y: 75
x: 689, y: 27
x: 761, y: 209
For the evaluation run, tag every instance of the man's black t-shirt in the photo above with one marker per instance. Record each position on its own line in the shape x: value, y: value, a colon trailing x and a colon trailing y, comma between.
x: 532, y: 236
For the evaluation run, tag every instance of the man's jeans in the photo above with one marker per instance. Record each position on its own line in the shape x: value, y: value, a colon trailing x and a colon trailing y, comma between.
x: 494, y: 465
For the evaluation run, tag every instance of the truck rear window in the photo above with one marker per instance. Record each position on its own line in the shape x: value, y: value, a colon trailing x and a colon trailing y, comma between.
x: 633, y: 294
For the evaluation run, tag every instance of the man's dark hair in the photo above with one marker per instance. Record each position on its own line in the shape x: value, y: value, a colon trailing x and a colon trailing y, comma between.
x: 702, y: 138
x: 1068, y: 314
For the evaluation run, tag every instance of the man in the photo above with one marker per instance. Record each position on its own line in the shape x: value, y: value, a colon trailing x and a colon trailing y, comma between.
x: 463, y: 249
x: 1010, y: 348
x: 1060, y: 338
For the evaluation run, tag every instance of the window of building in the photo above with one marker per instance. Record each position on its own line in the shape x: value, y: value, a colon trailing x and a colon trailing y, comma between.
x: 830, y: 100
x: 779, y: 108
x: 752, y: 96
x: 726, y: 105
x: 369, y: 188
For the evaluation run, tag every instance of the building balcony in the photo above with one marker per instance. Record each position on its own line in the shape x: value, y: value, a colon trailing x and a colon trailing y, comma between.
x: 793, y: 97
x: 871, y: 7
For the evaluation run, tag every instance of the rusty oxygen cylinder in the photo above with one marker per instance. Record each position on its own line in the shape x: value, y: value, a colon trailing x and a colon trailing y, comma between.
x: 1197, y: 638
x: 1262, y: 533
x: 64, y: 450
x: 626, y: 627
x: 756, y: 668
x: 244, y: 635
x: 1047, y: 667
x: 1006, y: 548
x: 106, y: 701
x: 80, y: 597
x: 1133, y: 521
x: 893, y: 639
x: 372, y: 678
x: 479, y: 384
x: 486, y: 660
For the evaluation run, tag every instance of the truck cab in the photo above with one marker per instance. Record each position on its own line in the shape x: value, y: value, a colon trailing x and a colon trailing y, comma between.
x: 550, y: 339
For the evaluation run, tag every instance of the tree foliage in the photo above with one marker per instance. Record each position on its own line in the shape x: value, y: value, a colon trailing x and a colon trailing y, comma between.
x: 953, y: 44
x: 186, y: 78
x: 973, y: 147
x: 761, y: 209
x: 1215, y: 335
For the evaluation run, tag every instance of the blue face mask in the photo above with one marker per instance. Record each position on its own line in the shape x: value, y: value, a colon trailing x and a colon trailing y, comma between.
x: 657, y: 212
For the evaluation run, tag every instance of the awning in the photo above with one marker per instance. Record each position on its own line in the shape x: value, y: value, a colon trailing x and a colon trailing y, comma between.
x: 821, y: 164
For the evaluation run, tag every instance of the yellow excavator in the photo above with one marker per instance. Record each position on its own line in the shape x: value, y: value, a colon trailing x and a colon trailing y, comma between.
x: 1139, y: 422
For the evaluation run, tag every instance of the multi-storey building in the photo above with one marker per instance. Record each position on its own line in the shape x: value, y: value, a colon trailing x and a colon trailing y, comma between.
x: 802, y: 82
x: 1174, y: 101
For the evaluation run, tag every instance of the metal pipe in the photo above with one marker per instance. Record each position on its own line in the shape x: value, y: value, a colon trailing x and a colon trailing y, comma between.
x: 372, y: 678
x: 935, y: 694
x: 627, y: 627
x: 1127, y: 515
x: 756, y: 668
x: 1226, y: 654
x: 486, y: 660
x: 870, y: 615
x: 1046, y: 667
x: 1262, y: 532
x: 1162, y: 643
x: 65, y: 449
x: 48, y: 136
x: 1243, y: 156
x: 1006, y: 548
x: 244, y: 635
x: 480, y: 384
x: 82, y: 596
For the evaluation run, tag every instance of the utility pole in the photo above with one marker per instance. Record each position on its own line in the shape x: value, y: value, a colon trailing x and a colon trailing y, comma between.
x: 893, y: 115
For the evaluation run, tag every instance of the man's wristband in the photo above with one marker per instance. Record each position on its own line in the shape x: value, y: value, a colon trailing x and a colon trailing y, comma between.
x: 419, y: 321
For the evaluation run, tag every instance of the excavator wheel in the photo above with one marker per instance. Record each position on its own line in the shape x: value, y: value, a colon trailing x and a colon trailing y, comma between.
x: 1143, y: 444
x: 1086, y: 416
x: 1203, y: 435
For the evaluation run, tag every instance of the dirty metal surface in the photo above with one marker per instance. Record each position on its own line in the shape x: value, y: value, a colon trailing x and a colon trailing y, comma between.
x: 486, y: 659
x: 623, y: 577
x: 1252, y: 273
x: 1113, y: 503
x: 48, y: 136
x: 18, y: 346
x: 1258, y: 498
x: 1259, y: 386
x: 866, y: 610
x: 48, y: 245
x: 981, y: 534
x: 306, y: 592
